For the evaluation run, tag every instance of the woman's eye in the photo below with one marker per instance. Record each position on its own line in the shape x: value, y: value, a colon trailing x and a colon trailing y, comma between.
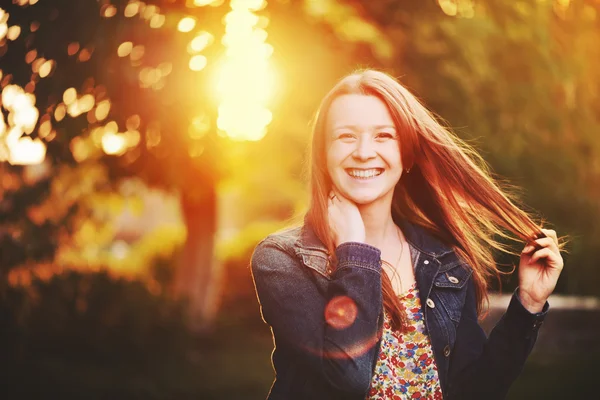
x: 385, y: 135
x: 345, y: 136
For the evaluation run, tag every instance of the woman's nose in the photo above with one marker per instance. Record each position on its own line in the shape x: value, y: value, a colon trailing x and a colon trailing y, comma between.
x: 365, y: 150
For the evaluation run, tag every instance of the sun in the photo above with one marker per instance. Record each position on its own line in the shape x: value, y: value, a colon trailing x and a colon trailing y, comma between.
x: 245, y: 77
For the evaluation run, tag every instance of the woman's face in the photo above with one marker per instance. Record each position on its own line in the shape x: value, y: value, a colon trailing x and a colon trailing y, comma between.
x: 363, y: 153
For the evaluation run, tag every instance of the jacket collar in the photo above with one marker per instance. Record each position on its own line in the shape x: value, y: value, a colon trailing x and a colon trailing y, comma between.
x: 423, y: 239
x: 308, y: 240
x: 416, y: 235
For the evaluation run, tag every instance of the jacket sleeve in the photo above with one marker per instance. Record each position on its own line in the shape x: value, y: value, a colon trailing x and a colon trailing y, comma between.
x: 294, y: 306
x: 496, y: 361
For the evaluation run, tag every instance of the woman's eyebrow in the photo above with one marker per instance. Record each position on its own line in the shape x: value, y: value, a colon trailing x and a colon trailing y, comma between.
x: 385, y: 127
x: 357, y: 128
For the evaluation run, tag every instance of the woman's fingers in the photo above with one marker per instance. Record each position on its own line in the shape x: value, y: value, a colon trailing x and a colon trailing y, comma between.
x: 546, y: 242
x: 337, y: 196
x: 552, y: 258
x: 332, y: 197
x: 552, y: 234
x: 345, y: 217
x: 545, y: 252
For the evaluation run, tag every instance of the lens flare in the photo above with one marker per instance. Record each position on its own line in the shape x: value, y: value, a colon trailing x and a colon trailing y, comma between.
x: 341, y: 312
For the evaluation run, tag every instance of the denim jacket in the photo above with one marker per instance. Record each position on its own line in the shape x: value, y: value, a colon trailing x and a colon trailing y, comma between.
x: 313, y: 360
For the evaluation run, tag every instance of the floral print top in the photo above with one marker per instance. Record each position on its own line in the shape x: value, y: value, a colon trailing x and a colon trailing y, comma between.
x: 405, y: 368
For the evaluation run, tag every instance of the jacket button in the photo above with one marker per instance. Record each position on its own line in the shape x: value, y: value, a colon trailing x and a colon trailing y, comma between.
x: 447, y: 350
x: 426, y: 262
x: 430, y: 303
x: 329, y: 271
x: 453, y: 279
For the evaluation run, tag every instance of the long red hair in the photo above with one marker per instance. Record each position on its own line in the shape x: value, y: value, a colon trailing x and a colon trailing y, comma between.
x: 450, y: 190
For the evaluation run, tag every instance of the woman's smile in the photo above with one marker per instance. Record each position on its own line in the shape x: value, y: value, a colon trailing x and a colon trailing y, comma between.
x: 364, y: 174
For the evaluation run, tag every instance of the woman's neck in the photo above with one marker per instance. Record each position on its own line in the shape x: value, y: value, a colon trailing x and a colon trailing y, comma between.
x: 379, y: 224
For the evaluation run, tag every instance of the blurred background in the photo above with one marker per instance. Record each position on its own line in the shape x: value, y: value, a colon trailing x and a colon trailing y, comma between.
x: 146, y: 147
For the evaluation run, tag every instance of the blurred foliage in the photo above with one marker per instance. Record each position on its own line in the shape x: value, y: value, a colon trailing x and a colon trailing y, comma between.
x: 96, y: 96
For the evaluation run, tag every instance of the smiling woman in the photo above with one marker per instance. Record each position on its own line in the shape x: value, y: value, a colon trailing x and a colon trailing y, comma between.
x: 377, y: 293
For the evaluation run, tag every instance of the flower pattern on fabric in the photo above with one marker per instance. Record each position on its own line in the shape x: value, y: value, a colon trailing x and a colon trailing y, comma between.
x: 405, y: 368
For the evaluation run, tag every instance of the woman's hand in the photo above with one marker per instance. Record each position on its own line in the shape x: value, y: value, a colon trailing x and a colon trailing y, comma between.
x: 345, y: 221
x: 539, y: 269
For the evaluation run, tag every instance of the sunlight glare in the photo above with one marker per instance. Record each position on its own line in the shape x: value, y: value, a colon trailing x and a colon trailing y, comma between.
x: 245, y: 77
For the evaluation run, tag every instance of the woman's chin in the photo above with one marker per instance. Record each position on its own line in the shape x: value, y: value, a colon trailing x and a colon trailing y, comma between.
x: 362, y: 198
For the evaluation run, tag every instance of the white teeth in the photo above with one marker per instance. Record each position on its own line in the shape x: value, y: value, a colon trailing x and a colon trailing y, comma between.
x: 361, y: 173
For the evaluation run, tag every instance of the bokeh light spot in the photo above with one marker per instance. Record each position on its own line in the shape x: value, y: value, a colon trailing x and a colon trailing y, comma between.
x: 85, y: 55
x: 131, y: 9
x: 13, y: 32
x: 60, y: 112
x: 45, y: 128
x: 108, y: 11
x: 102, y: 110
x: 46, y: 68
x: 149, y: 11
x: 111, y: 127
x: 124, y: 49
x: 157, y: 21
x: 186, y: 24
x: 114, y: 143
x: 153, y: 136
x: 197, y: 62
x: 3, y: 30
x: 30, y: 56
x: 35, y: 66
x: 86, y: 103
x: 79, y: 149
x: 133, y: 122
x: 69, y: 96
x: 132, y: 138
x: 201, y: 41
x: 137, y: 52
x: 72, y: 48
x: 165, y: 68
